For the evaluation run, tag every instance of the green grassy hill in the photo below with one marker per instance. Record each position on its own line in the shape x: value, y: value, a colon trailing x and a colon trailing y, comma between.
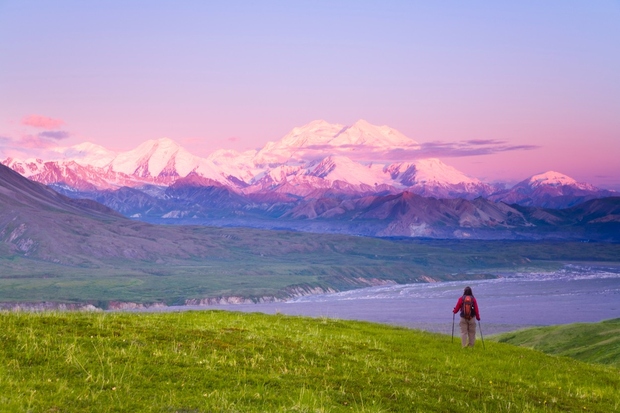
x: 589, y: 342
x: 230, y: 362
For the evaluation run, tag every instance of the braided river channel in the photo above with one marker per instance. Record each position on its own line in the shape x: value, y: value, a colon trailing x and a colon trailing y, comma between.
x: 576, y: 293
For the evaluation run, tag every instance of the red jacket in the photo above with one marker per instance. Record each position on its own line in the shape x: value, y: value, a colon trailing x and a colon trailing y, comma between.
x: 459, y: 304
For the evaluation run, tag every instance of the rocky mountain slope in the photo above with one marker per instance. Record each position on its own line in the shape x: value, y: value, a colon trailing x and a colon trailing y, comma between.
x: 36, y: 222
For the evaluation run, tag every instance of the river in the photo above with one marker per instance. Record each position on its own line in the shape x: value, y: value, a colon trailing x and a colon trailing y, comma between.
x: 576, y: 293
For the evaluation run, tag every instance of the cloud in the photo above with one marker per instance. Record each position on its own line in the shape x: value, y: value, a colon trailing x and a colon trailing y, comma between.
x: 483, y: 142
x: 233, y: 139
x: 474, y: 147
x: 43, y: 122
x: 56, y: 135
x: 469, y: 148
x: 43, y: 140
x: 34, y: 142
x: 41, y: 145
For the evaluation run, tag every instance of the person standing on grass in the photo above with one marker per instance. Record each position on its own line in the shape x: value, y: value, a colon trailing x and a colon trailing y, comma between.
x: 468, y: 307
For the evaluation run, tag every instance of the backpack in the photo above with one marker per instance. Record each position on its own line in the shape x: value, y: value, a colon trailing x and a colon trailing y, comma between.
x: 467, y: 309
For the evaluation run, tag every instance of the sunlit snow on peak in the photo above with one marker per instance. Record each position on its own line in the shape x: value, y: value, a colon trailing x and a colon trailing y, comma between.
x: 552, y: 178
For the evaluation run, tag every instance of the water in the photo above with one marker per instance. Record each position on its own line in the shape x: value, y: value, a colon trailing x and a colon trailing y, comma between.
x: 573, y: 294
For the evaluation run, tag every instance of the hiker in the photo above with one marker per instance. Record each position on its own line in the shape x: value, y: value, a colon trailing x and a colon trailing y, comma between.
x: 468, y: 308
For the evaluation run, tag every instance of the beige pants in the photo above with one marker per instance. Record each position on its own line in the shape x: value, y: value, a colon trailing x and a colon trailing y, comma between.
x: 468, y: 332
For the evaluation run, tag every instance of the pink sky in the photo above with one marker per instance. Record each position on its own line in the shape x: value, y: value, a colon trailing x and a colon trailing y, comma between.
x: 540, y: 80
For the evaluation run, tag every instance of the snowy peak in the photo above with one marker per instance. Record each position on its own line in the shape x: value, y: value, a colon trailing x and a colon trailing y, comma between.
x: 431, y: 177
x: 317, y: 156
x: 153, y: 158
x: 86, y: 154
x: 428, y: 171
x: 298, y: 145
x: 317, y: 132
x: 89, y: 153
x: 319, y: 139
x: 27, y: 167
x: 550, y: 190
x: 282, y: 173
x: 232, y: 163
x: 555, y: 179
x: 433, y: 170
x: 341, y: 168
x: 380, y: 137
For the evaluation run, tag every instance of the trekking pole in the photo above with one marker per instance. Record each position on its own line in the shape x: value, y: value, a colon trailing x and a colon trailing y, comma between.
x: 453, y: 327
x: 481, y: 336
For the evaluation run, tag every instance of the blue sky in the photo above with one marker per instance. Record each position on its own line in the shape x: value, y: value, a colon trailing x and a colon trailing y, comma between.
x: 238, y: 74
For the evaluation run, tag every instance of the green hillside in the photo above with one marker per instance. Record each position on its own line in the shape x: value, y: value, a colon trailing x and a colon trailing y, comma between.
x: 254, y: 264
x: 589, y: 342
x: 230, y: 362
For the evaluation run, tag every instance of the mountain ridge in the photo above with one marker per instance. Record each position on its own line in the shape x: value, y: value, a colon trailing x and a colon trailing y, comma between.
x: 161, y: 161
x: 315, y: 172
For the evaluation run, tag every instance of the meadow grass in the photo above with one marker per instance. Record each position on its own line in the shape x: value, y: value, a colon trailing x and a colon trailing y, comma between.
x: 590, y: 342
x: 215, y: 361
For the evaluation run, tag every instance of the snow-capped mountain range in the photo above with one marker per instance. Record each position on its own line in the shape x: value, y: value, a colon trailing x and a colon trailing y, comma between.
x: 322, y: 177
x: 316, y: 171
x: 318, y: 154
